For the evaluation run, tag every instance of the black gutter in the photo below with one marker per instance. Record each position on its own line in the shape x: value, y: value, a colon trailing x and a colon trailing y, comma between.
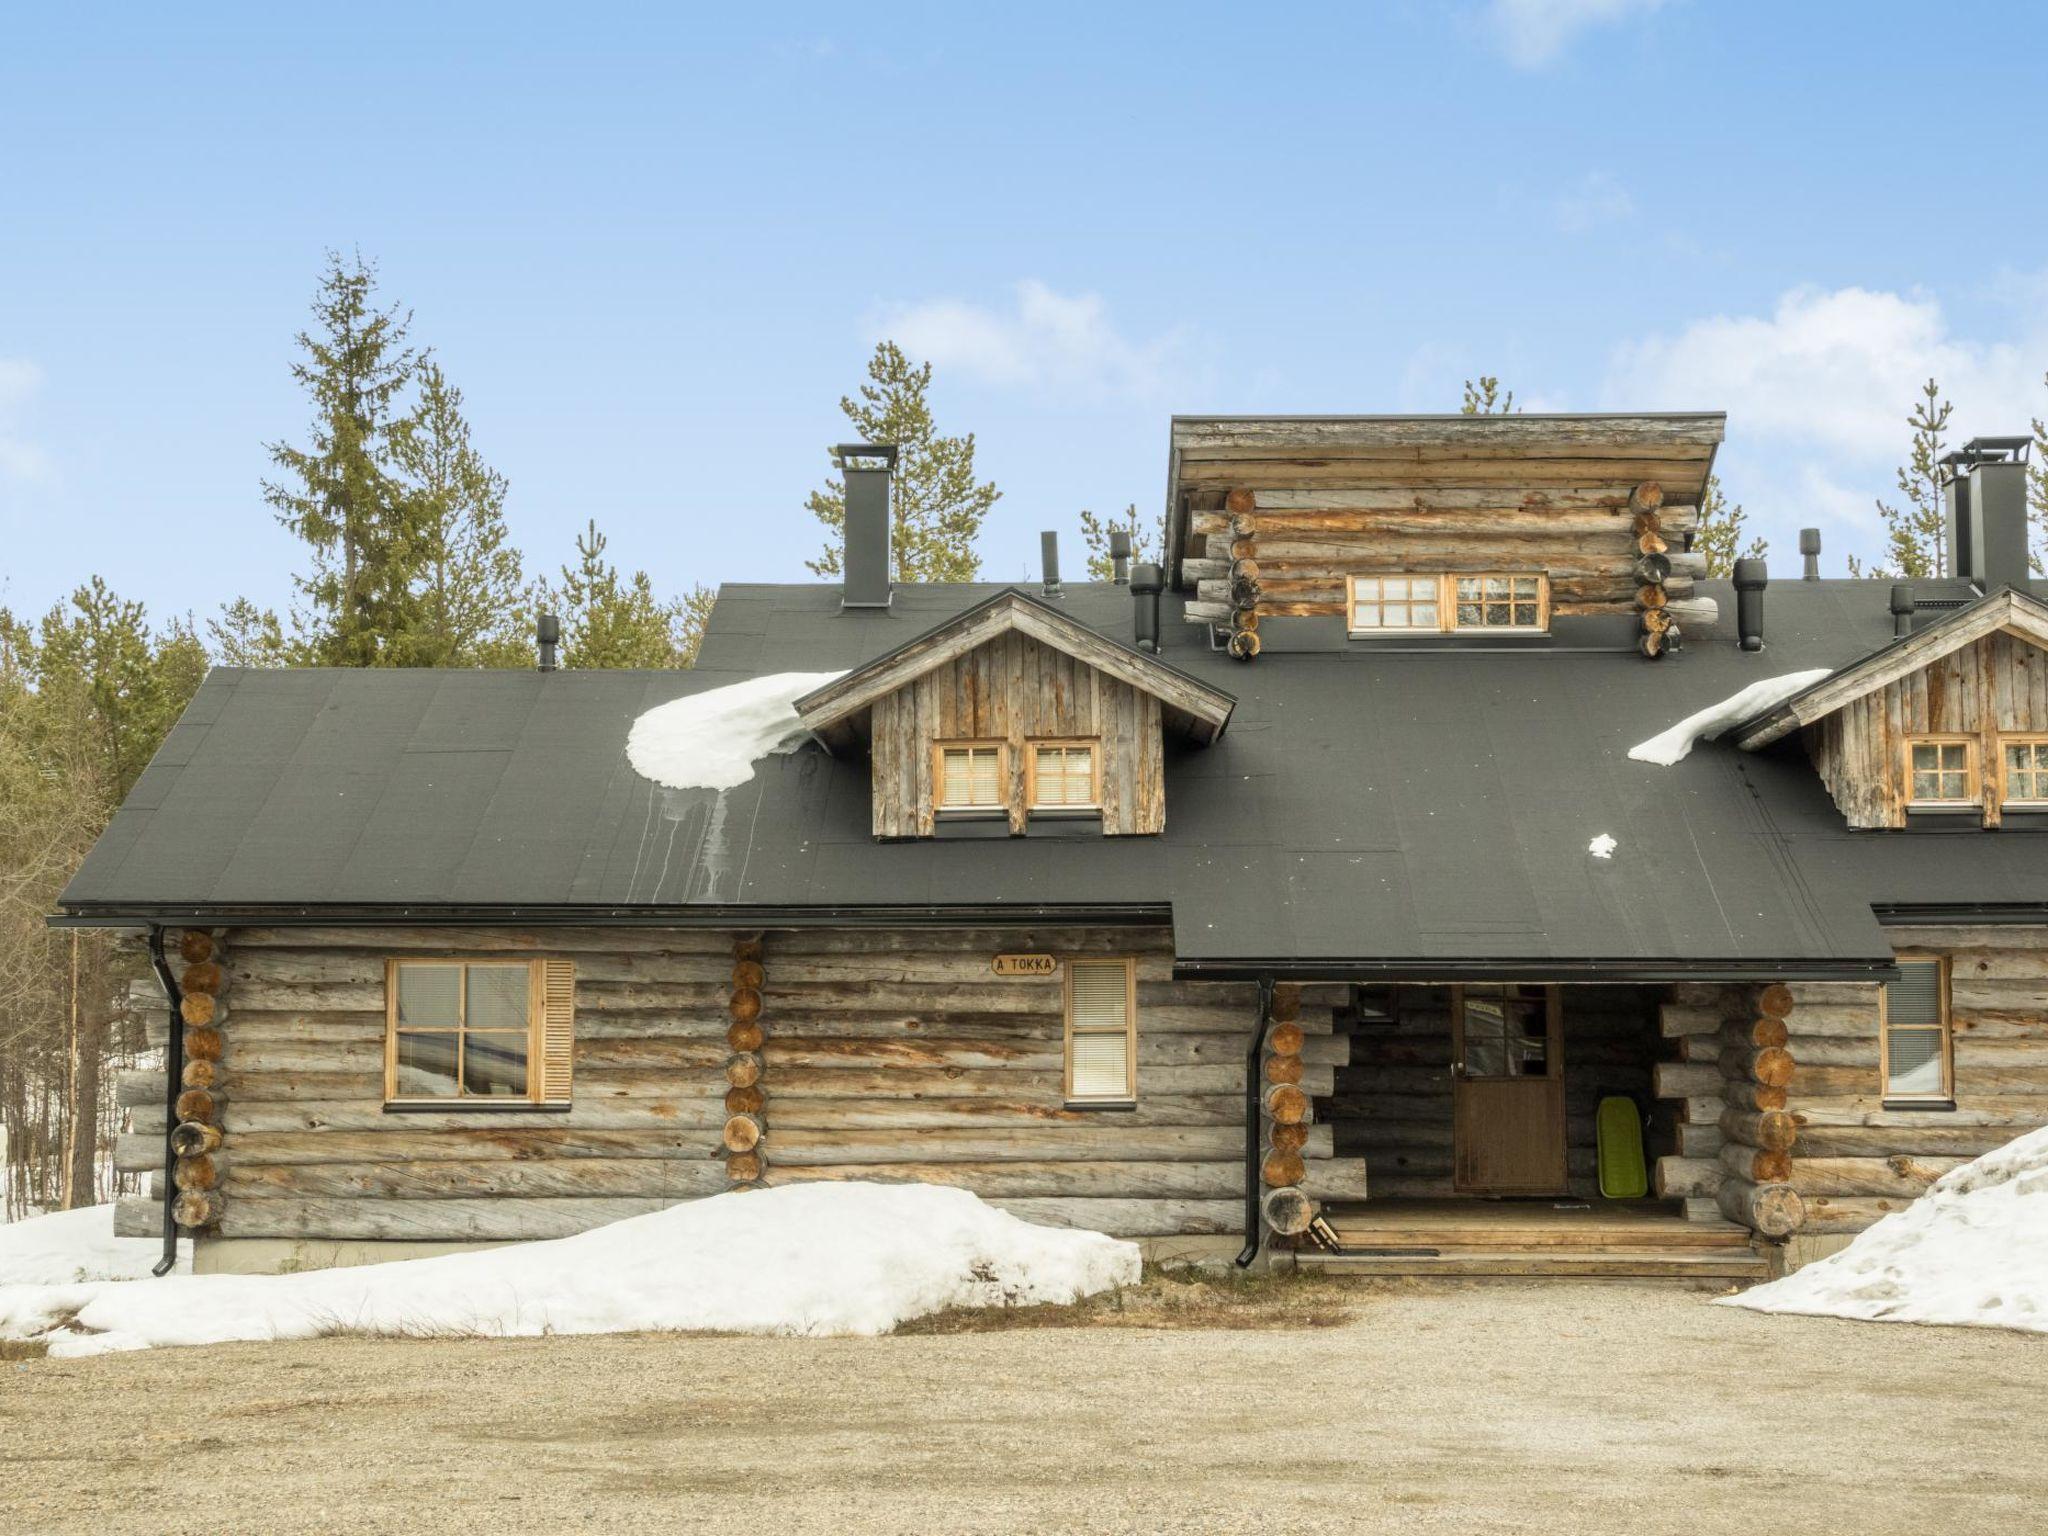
x: 174, y: 1070
x: 1252, y: 1112
x: 1640, y: 971
x: 1980, y: 913
x: 343, y: 914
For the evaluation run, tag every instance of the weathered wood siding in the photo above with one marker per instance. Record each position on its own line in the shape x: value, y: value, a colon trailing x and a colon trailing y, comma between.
x: 887, y: 1055
x: 1999, y: 683
x: 1393, y: 1100
x: 1015, y: 689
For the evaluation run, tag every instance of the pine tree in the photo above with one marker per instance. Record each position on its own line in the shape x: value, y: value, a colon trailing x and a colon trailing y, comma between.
x: 1916, y: 534
x: 1720, y: 532
x: 470, y: 592
x: 1146, y: 543
x: 2037, y: 499
x: 342, y: 493
x: 1486, y: 398
x: 614, y: 621
x: 939, y: 507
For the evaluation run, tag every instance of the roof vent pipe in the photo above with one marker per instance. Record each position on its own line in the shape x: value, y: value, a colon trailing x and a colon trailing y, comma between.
x: 548, y: 633
x: 1809, y: 546
x: 1902, y: 609
x: 1751, y: 577
x: 1120, y: 555
x: 865, y: 566
x: 1147, y: 582
x: 1049, y: 555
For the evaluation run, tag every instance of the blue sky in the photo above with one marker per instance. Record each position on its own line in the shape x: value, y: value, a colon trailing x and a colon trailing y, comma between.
x: 653, y: 247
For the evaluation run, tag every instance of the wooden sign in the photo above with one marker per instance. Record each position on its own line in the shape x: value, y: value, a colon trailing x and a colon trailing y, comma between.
x: 1026, y: 965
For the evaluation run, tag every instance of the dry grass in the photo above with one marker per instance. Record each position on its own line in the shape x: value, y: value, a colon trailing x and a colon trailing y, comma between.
x: 1175, y: 1298
x: 23, y: 1349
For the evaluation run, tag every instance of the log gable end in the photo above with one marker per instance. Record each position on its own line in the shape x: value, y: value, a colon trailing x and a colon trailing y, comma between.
x: 1013, y: 720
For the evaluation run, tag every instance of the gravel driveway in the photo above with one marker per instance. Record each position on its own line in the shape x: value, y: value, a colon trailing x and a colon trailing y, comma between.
x: 1563, y: 1408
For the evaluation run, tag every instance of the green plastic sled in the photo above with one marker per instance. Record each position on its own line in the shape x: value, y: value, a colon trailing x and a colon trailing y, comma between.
x: 1620, y: 1129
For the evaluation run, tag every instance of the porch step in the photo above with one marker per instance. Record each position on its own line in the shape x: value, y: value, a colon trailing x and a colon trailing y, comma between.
x: 1601, y: 1264
x: 1686, y: 1237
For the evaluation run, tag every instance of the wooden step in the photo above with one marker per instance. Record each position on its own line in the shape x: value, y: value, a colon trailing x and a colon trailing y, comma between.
x: 1675, y: 1236
x: 1612, y: 1264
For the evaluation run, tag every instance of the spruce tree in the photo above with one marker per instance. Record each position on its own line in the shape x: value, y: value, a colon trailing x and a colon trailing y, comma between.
x: 1146, y: 543
x: 2037, y: 499
x: 1486, y: 398
x: 938, y: 505
x: 1916, y: 533
x: 609, y: 620
x: 1720, y: 532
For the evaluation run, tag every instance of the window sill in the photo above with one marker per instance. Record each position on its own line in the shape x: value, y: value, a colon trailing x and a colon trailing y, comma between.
x: 472, y: 1107
x: 1111, y: 1106
x: 971, y: 824
x: 1919, y: 1106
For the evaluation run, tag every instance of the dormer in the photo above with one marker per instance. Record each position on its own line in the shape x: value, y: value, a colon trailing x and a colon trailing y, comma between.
x: 1336, y: 532
x: 1013, y: 719
x: 1946, y: 726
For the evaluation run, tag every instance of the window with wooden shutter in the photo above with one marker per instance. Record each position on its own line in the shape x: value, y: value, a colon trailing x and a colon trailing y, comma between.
x: 969, y: 776
x: 1102, y: 1031
x: 487, y: 1031
x: 1914, y: 1020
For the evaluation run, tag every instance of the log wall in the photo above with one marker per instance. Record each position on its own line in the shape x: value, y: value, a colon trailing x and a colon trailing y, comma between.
x: 1998, y: 684
x: 1014, y: 689
x: 869, y: 1055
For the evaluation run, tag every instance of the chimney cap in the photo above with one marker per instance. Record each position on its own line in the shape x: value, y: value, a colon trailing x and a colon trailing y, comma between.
x: 1147, y: 577
x: 1985, y: 450
x: 1119, y: 542
x: 886, y: 452
x: 1751, y: 575
x: 1902, y: 598
x: 1809, y: 541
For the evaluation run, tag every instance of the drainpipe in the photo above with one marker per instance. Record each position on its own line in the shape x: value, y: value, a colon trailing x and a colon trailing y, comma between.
x: 174, y: 1070
x: 1252, y: 1073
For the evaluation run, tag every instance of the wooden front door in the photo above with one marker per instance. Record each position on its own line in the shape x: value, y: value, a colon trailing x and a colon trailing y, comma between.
x: 1507, y: 1091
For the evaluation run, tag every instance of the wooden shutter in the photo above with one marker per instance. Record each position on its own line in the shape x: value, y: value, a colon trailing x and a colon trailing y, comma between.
x: 557, y: 1029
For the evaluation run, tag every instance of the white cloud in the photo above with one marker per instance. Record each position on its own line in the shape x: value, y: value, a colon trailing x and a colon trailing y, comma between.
x: 19, y: 458
x: 1533, y: 33
x: 1043, y: 340
x: 1592, y: 202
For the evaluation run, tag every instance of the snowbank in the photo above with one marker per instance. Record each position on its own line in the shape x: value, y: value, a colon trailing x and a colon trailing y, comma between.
x: 1973, y: 1250
x: 68, y: 1246
x: 712, y: 740
x: 1767, y: 693
x: 808, y: 1259
x: 1603, y: 846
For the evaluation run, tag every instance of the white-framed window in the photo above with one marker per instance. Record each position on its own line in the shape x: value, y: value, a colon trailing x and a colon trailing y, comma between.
x: 478, y: 1031
x: 970, y: 776
x: 1507, y: 602
x: 1102, y: 1031
x: 2023, y: 771
x: 1941, y: 772
x: 1918, y: 1047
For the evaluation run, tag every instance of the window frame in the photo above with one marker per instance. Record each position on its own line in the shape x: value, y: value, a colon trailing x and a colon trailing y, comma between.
x: 941, y: 748
x: 1973, y: 795
x: 1094, y: 801
x: 1129, y: 1098
x: 1446, y: 603
x: 1947, y: 1097
x: 2006, y: 800
x: 536, y: 1045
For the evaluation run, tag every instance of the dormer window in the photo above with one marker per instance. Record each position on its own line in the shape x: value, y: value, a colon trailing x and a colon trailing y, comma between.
x: 1501, y: 602
x: 2024, y: 765
x: 1063, y: 776
x: 1942, y: 773
x: 969, y: 777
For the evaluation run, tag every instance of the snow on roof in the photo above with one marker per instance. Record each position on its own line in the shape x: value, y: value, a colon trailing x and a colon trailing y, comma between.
x: 712, y: 740
x: 822, y: 1258
x: 1672, y: 746
x: 1972, y: 1251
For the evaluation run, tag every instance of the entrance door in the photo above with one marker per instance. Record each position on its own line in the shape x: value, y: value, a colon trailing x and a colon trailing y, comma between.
x: 1507, y: 1091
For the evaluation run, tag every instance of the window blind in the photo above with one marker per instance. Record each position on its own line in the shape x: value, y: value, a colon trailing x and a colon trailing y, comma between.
x: 1099, y: 1030
x: 1915, y: 1027
x: 1063, y: 776
x: 970, y: 778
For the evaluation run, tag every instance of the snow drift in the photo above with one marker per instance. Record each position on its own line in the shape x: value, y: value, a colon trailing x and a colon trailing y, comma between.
x: 1674, y: 745
x: 69, y: 1246
x: 1973, y: 1251
x: 712, y: 740
x: 807, y: 1259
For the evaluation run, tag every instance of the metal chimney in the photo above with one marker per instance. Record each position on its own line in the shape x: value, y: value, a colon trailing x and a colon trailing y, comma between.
x: 1984, y: 495
x: 1902, y: 609
x: 1120, y: 555
x: 1147, y: 582
x: 1751, y: 577
x: 1049, y: 555
x: 1809, y: 546
x: 865, y: 565
x: 548, y: 633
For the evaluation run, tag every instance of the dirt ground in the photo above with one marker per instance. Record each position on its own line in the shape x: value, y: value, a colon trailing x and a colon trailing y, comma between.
x: 1555, y: 1408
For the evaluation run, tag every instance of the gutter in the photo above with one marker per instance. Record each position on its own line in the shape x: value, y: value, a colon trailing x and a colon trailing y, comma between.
x: 344, y: 914
x: 174, y: 1071
x: 1980, y: 913
x: 1251, y: 1124
x: 1643, y: 971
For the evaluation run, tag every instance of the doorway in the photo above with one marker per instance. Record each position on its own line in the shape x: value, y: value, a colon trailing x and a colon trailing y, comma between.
x: 1507, y: 1090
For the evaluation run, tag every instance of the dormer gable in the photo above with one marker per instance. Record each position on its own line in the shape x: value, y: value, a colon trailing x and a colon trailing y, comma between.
x: 1946, y: 725
x: 1013, y: 719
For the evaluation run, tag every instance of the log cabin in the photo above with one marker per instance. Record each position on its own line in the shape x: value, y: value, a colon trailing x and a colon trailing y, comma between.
x: 1302, y: 896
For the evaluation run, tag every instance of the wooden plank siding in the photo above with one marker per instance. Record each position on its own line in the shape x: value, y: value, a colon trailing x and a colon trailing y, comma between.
x: 1996, y: 684
x: 889, y: 1054
x: 1016, y: 689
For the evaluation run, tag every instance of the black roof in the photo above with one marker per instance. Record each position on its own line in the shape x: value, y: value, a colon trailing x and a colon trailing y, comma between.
x: 1397, y: 813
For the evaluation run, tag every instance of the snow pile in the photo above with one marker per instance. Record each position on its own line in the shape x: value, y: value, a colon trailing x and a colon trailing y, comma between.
x: 1603, y: 846
x: 712, y: 740
x: 1766, y: 693
x: 805, y: 1259
x: 68, y: 1246
x: 1973, y: 1250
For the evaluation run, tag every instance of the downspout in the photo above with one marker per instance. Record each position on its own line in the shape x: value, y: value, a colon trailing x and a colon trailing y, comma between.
x: 1252, y: 1113
x: 174, y: 1072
